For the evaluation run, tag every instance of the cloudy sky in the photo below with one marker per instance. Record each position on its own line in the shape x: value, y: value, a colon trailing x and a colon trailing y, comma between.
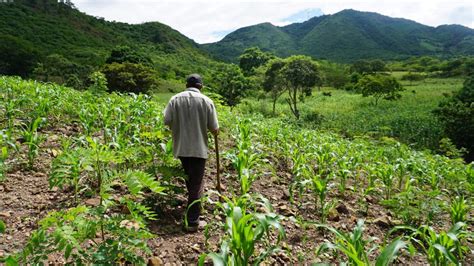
x: 209, y: 20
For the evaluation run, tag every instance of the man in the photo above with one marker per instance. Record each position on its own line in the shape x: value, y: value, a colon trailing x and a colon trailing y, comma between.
x: 190, y: 115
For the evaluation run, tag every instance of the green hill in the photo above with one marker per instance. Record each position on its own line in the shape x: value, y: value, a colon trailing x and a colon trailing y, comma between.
x: 347, y: 36
x: 41, y: 28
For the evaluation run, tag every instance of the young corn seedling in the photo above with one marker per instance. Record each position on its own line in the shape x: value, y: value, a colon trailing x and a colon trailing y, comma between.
x: 301, y: 175
x: 88, y: 118
x: 386, y: 174
x: 444, y: 248
x: 3, y: 156
x: 344, y: 173
x: 319, y: 187
x: 354, y: 246
x: 10, y: 105
x: 243, y: 232
x: 33, y: 139
x: 458, y: 210
x: 244, y: 160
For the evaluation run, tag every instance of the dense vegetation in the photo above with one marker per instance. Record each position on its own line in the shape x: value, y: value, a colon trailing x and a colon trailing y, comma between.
x: 119, y: 145
x: 347, y: 36
x: 365, y: 163
x: 43, y: 38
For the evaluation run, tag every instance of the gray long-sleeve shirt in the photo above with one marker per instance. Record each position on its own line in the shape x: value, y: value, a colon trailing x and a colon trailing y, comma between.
x: 190, y: 114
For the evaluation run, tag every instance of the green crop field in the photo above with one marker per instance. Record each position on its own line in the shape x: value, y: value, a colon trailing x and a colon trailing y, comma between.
x: 293, y: 194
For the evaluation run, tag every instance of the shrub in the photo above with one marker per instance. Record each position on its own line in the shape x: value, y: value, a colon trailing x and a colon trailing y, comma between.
x: 457, y: 116
x: 130, y: 77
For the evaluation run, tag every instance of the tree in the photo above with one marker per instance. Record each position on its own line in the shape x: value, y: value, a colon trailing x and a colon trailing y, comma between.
x: 129, y: 77
x: 377, y: 65
x: 380, y: 87
x: 457, y: 116
x: 335, y: 75
x: 273, y: 81
x: 56, y: 68
x: 231, y: 84
x: 17, y: 57
x: 300, y: 73
x: 123, y: 53
x: 368, y: 66
x: 253, y: 58
x: 361, y: 67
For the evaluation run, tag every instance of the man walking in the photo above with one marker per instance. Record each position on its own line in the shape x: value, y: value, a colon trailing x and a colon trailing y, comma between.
x: 190, y: 114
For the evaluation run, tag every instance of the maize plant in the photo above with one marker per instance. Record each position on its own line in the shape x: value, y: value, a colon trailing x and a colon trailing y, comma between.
x: 458, y: 210
x: 443, y: 248
x: 301, y: 174
x: 244, y: 231
x: 354, y: 246
x: 3, y: 158
x: 386, y: 174
x: 33, y: 138
x: 245, y: 158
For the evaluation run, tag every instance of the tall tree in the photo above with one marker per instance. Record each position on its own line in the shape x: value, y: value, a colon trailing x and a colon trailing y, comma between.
x: 273, y: 81
x: 301, y: 73
x: 253, y: 58
x: 231, y: 84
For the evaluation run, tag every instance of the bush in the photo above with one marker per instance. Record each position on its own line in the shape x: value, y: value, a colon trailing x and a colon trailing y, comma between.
x: 457, y: 116
x: 413, y: 77
x: 313, y: 117
x: 379, y: 87
x: 130, y: 77
x: 99, y: 83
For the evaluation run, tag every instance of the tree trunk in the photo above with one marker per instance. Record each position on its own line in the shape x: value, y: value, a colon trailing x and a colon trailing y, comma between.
x: 274, y: 103
x: 292, y: 101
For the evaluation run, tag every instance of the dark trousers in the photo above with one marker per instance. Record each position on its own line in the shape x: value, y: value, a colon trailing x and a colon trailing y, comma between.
x: 194, y: 169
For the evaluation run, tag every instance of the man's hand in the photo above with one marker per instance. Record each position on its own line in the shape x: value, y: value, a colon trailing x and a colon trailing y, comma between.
x: 215, y: 132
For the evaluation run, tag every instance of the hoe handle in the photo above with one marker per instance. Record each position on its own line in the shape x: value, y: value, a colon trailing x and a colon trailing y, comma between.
x: 218, y: 185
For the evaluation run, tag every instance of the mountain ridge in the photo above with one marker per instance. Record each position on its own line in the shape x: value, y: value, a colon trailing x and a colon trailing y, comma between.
x: 350, y: 35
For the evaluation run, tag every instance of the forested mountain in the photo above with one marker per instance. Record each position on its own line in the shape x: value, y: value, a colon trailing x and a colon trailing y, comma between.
x: 31, y: 30
x: 347, y: 36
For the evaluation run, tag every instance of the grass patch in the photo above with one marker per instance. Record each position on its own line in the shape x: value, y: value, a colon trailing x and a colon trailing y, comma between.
x: 409, y: 119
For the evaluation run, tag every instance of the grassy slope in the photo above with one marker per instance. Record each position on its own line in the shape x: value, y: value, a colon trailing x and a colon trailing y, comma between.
x: 409, y: 119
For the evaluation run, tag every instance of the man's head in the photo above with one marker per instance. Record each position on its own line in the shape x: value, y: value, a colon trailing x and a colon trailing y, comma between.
x: 194, y: 80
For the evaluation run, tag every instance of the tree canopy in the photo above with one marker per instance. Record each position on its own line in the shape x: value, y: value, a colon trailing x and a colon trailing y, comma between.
x: 379, y: 87
x: 18, y: 57
x: 231, y: 84
x: 253, y: 58
x: 130, y: 77
x: 457, y: 116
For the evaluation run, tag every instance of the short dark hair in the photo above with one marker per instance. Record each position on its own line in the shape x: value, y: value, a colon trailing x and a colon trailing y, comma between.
x: 194, y: 79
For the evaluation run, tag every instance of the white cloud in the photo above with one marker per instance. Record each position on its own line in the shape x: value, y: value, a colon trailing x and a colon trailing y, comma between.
x: 205, y: 21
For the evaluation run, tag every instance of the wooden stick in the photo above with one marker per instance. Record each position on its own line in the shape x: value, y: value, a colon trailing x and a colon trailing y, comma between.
x: 216, y: 142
